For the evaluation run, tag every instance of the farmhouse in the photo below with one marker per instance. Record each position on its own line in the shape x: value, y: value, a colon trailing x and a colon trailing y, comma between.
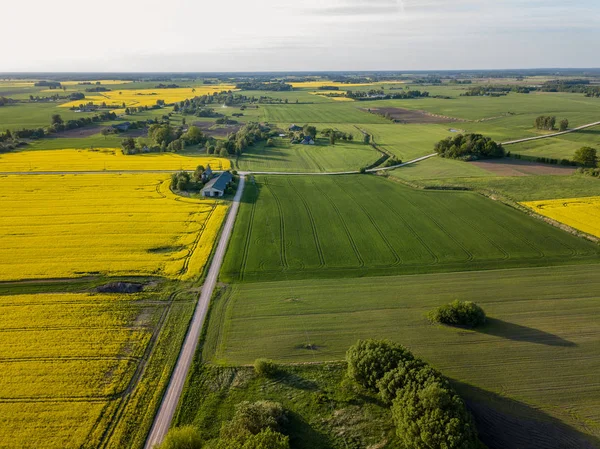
x: 295, y: 128
x: 307, y: 141
x: 122, y: 126
x: 216, y: 186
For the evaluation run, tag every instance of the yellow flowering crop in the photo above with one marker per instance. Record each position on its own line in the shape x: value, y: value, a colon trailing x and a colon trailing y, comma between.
x: 55, y: 226
x: 579, y: 213
x: 147, y: 97
x: 103, y: 159
x: 65, y: 357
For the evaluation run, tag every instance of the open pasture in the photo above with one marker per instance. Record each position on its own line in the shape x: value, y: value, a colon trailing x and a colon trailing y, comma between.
x: 322, y: 157
x: 34, y: 115
x: 356, y: 225
x: 103, y: 159
x: 539, y: 352
x: 56, y: 226
x: 579, y: 213
x: 407, y: 141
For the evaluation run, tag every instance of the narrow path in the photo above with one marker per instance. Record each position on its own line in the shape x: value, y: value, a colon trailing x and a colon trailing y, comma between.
x: 162, y: 420
x: 589, y: 125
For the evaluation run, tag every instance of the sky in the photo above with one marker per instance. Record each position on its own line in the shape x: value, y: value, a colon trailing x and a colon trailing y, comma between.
x: 297, y: 35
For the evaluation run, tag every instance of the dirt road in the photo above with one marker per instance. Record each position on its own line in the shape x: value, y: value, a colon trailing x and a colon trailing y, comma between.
x: 163, y: 418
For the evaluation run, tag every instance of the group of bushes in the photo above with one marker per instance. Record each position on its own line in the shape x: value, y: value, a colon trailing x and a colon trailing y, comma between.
x: 255, y: 425
x: 458, y: 313
x: 469, y: 147
x: 237, y: 142
x: 427, y: 412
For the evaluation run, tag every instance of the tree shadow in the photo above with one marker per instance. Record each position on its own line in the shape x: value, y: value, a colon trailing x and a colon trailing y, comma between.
x: 302, y: 435
x: 504, y: 423
x: 295, y: 381
x: 516, y: 332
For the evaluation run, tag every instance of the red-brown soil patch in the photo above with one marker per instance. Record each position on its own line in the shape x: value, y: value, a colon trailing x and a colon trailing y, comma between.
x: 516, y: 167
x: 400, y: 115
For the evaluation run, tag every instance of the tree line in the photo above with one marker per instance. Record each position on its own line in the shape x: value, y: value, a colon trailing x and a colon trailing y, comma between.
x: 276, y: 86
x: 377, y: 94
x: 547, y: 122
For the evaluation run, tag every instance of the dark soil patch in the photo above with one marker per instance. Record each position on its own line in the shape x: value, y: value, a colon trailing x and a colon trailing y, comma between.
x: 518, y: 167
x: 120, y: 287
x: 400, y: 115
x: 87, y: 131
x: 221, y: 131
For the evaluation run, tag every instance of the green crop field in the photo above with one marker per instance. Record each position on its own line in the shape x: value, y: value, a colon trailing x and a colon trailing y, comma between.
x: 34, y: 115
x: 541, y: 346
x: 357, y: 225
x: 330, y: 112
x: 438, y: 172
x: 407, y: 141
x: 322, y: 157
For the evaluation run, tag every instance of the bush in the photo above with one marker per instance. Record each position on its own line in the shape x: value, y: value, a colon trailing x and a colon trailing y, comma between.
x: 458, y: 313
x: 265, y: 367
x: 586, y: 156
x: 182, y: 438
x: 270, y: 143
x: 265, y: 439
x: 433, y: 417
x: 369, y: 360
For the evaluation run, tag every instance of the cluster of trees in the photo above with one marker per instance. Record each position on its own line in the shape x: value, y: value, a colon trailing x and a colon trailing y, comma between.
x: 98, y: 89
x: 255, y: 425
x: 56, y: 97
x: 328, y: 88
x: 8, y: 141
x: 186, y: 182
x: 496, y: 91
x: 375, y: 94
x: 571, y: 85
x: 166, y: 86
x: 545, y: 122
x: 427, y: 412
x: 49, y: 84
x: 543, y: 160
x: 276, y: 86
x: 586, y: 156
x: 237, y: 142
x: 458, y: 313
x: 469, y: 147
x: 167, y: 138
x: 595, y: 172
x: 334, y: 135
x: 6, y: 101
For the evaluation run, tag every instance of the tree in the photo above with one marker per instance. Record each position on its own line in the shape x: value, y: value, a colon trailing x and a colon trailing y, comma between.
x: 564, y: 125
x: 265, y: 367
x: 194, y: 135
x: 186, y: 437
x: 105, y: 132
x: 367, y: 138
x: 128, y: 144
x: 586, y: 156
x: 224, y: 152
x: 369, y: 360
x: 332, y: 139
x: 310, y: 131
x: 57, y: 119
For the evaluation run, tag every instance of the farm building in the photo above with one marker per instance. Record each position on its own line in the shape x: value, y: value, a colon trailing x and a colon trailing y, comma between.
x: 216, y: 186
x: 122, y: 126
x: 295, y: 128
x: 307, y: 141
x: 207, y: 175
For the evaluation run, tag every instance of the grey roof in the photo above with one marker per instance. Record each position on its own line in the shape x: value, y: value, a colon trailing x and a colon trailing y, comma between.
x: 219, y: 183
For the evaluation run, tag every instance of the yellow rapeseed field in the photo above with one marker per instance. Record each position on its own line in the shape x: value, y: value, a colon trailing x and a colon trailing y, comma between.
x: 65, y: 359
x: 55, y: 226
x: 103, y: 159
x: 147, y: 97
x: 579, y: 213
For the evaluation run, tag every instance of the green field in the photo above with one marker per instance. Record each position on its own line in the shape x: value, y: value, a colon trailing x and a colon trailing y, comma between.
x: 541, y: 346
x: 330, y: 112
x: 322, y: 157
x: 438, y: 172
x: 305, y: 227
x: 559, y: 147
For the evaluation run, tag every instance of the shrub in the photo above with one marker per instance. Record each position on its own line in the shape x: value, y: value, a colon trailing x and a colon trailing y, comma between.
x: 369, y: 360
x: 270, y: 143
x: 458, y: 313
x: 433, y: 417
x: 265, y: 367
x: 182, y: 438
x: 586, y: 156
x: 265, y: 439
